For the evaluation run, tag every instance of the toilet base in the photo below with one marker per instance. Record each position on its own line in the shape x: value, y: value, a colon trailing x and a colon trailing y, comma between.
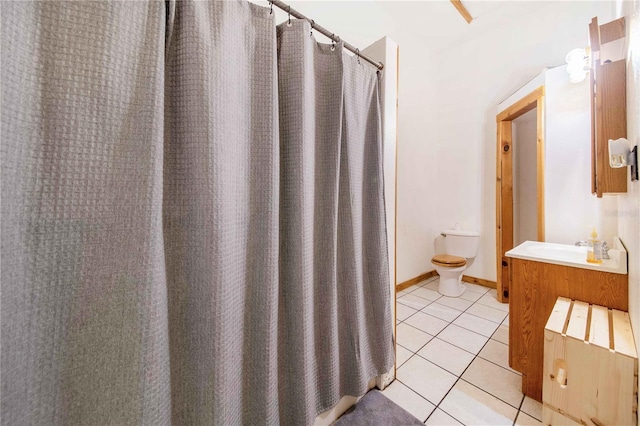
x: 451, y: 287
x: 451, y: 281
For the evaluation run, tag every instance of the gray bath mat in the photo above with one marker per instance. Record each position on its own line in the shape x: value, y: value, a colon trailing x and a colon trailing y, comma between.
x: 376, y: 409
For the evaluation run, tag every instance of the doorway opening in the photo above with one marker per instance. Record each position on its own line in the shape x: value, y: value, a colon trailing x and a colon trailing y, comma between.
x: 514, y: 165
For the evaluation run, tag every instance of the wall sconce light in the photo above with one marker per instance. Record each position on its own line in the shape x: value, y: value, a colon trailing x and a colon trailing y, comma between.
x: 621, y: 154
x: 578, y: 64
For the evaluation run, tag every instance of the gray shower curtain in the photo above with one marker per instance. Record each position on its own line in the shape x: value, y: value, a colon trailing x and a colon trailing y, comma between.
x: 192, y: 217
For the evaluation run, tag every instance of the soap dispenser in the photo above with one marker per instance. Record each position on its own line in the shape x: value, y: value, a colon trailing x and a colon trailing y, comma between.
x: 594, y: 248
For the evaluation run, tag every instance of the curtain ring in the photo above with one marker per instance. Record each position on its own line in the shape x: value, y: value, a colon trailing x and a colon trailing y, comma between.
x: 289, y: 12
x: 270, y: 7
x: 358, y: 54
x: 312, y: 24
x: 333, y: 42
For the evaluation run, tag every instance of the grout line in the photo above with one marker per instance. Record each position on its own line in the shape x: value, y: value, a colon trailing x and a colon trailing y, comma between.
x: 450, y: 322
x: 489, y: 393
x: 405, y: 361
x: 471, y: 353
x: 452, y: 344
x: 437, y: 334
x: 519, y: 410
x: 458, y: 378
x: 417, y: 393
x: 430, y: 414
x: 430, y: 301
x: 488, y: 306
x: 517, y: 373
x: 478, y: 387
x: 416, y: 353
x: 477, y: 316
x: 416, y: 311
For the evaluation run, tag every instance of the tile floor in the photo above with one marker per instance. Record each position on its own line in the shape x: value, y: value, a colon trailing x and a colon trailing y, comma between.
x: 452, y: 359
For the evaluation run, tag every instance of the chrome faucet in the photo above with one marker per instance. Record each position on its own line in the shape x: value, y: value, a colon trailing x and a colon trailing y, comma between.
x: 581, y: 243
x: 605, y: 250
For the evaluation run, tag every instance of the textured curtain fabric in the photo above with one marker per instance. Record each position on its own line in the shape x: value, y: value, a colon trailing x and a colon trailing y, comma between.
x: 221, y: 213
x: 193, y: 226
x: 334, y: 295
x: 85, y: 336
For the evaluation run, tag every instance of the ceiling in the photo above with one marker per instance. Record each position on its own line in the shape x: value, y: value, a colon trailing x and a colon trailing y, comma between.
x: 431, y: 25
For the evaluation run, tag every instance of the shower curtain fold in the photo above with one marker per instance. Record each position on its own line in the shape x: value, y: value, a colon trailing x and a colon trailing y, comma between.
x: 334, y: 297
x: 193, y: 223
x: 221, y: 213
x: 84, y: 327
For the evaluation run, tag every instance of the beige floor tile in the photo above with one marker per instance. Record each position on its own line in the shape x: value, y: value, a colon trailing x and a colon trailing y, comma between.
x: 470, y: 296
x: 440, y: 311
x: 433, y: 284
x: 472, y: 406
x: 506, y: 321
x: 402, y: 355
x: 430, y: 279
x: 455, y: 302
x: 463, y: 338
x: 526, y: 420
x: 427, y: 323
x: 502, y: 334
x: 477, y: 324
x: 491, y: 301
x: 447, y: 356
x: 403, y: 311
x: 427, y: 293
x: 486, y: 312
x: 476, y: 288
x: 416, y: 405
x: 498, y: 353
x: 495, y: 380
x: 413, y: 301
x: 440, y: 418
x: 429, y: 380
x: 411, y: 338
x: 532, y: 408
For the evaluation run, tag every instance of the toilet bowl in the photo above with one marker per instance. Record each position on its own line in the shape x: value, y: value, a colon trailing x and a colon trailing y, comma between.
x: 461, y: 248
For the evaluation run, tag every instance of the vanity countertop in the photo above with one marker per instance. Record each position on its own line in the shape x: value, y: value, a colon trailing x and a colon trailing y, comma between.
x: 569, y: 255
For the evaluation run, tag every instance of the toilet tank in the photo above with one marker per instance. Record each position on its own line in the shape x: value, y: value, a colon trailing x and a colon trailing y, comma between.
x: 461, y: 243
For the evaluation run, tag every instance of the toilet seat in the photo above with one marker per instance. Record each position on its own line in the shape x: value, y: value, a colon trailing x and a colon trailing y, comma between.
x: 448, y: 261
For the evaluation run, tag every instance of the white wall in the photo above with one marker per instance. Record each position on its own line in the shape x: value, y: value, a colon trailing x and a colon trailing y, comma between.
x: 452, y: 77
x: 570, y: 208
x: 628, y: 211
x: 525, y: 190
x: 478, y: 74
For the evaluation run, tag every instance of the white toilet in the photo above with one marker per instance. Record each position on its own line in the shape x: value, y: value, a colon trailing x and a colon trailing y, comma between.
x: 461, y: 249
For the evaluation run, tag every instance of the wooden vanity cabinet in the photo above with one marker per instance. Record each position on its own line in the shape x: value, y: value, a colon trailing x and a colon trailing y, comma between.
x: 608, y: 103
x: 535, y: 286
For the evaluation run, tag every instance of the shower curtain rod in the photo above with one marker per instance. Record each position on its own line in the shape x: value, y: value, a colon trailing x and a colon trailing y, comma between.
x: 325, y: 32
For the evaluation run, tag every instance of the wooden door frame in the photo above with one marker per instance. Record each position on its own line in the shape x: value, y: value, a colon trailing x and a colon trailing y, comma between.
x: 504, y: 182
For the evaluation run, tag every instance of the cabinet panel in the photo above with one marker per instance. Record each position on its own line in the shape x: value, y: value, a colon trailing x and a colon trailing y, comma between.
x: 535, y: 286
x: 608, y: 105
x: 611, y: 123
